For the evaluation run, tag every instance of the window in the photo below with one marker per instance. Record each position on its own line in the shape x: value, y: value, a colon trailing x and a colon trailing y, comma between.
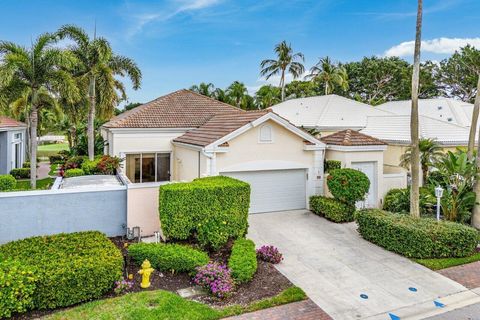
x: 266, y: 134
x: 148, y: 167
x: 17, y: 136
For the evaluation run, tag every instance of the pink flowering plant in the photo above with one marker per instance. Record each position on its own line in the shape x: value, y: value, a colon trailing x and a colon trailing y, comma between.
x: 122, y: 286
x: 270, y: 254
x: 216, y: 278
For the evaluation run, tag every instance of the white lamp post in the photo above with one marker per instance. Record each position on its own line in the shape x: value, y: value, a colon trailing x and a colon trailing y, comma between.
x: 438, y: 194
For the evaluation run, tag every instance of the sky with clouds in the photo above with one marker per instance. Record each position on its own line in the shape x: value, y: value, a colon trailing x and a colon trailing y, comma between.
x: 178, y: 43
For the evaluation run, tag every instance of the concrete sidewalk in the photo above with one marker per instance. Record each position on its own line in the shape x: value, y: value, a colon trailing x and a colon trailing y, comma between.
x: 336, y: 267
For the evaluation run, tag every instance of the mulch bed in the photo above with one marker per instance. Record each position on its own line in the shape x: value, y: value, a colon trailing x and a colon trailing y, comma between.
x: 267, y: 282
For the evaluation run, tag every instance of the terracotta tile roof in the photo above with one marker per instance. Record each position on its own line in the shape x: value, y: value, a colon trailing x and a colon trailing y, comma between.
x: 6, y: 122
x: 218, y: 127
x: 179, y: 109
x: 351, y: 137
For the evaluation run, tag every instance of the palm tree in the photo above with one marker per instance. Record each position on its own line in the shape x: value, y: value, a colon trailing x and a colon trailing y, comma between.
x: 329, y: 75
x: 415, y: 152
x: 97, y: 67
x: 236, y: 91
x: 30, y: 77
x: 286, y: 62
x: 472, y: 57
x: 267, y: 96
x: 207, y: 89
x: 430, y: 152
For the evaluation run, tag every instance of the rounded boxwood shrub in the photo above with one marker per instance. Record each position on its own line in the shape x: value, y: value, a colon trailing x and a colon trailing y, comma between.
x: 243, y: 260
x: 416, y: 237
x: 70, y: 173
x: 168, y: 257
x: 348, y: 185
x: 69, y: 268
x: 20, y: 173
x: 17, y: 285
x: 7, y: 182
x: 398, y: 201
x: 209, y: 210
x: 332, y: 209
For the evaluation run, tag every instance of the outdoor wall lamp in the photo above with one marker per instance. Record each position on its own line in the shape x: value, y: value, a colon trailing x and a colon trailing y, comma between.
x: 438, y: 194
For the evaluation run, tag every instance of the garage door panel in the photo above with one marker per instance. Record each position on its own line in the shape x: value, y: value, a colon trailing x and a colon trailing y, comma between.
x: 274, y: 190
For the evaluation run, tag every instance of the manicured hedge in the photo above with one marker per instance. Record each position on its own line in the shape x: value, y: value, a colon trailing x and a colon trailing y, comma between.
x: 348, y: 185
x: 102, y: 165
x: 168, y: 257
x: 70, y: 173
x: 398, y: 200
x: 17, y: 285
x: 69, y: 268
x: 7, y: 182
x: 332, y: 209
x: 243, y: 260
x: 57, y: 159
x: 21, y: 173
x: 211, y: 210
x: 416, y: 237
x: 330, y: 165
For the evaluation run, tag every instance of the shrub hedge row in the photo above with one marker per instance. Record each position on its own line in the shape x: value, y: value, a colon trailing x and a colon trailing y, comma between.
x: 332, y: 209
x: 243, y: 260
x: 7, y: 182
x: 414, y: 237
x: 398, y: 200
x: 212, y: 210
x: 70, y: 173
x: 69, y: 268
x: 20, y: 173
x: 168, y: 257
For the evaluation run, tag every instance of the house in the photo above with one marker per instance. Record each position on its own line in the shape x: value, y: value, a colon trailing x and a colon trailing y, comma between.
x: 184, y: 135
x: 13, y: 135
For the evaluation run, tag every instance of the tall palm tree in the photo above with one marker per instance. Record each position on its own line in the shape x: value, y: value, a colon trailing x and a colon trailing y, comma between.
x: 414, y: 135
x: 28, y: 79
x: 287, y: 61
x: 236, y: 91
x: 329, y: 75
x: 207, y: 89
x: 472, y: 57
x: 97, y: 67
x: 267, y: 96
x: 476, y: 109
x: 430, y: 152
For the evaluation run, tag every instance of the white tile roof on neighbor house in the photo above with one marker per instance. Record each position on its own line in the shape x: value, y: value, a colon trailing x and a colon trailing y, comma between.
x: 330, y: 112
x: 444, y: 109
x: 396, y: 129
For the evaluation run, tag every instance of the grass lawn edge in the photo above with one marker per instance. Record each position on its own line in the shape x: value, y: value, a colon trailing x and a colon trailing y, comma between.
x: 443, y: 263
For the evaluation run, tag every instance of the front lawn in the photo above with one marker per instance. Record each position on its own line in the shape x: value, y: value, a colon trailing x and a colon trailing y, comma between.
x: 46, y: 150
x: 162, y: 304
x: 42, y: 184
x: 437, y: 264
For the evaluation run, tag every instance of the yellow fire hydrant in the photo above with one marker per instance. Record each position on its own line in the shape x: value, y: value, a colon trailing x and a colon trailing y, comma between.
x: 146, y: 271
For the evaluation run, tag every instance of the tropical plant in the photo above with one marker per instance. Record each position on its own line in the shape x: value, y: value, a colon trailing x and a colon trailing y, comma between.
x: 236, y: 92
x: 329, y: 75
x: 430, y: 152
x: 207, y: 89
x: 267, y: 96
x: 98, y: 67
x: 286, y: 62
x: 29, y: 78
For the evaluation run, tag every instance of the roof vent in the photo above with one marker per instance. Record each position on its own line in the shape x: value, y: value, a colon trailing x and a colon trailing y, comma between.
x: 439, y: 107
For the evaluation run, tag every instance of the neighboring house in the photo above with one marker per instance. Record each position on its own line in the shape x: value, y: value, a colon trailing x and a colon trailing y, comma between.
x: 184, y: 135
x: 13, y: 136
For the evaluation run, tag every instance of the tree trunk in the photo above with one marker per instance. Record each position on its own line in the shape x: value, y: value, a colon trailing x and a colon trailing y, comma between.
x: 415, y: 161
x: 473, y: 126
x: 33, y: 146
x: 282, y: 84
x: 424, y: 175
x: 91, y: 120
x: 476, y: 187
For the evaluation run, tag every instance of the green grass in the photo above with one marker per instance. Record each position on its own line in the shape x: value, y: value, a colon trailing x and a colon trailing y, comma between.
x: 42, y: 184
x: 53, y: 169
x: 437, y: 264
x: 160, y: 304
x: 46, y: 150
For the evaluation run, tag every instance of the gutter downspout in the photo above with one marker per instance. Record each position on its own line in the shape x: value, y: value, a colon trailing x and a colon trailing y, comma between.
x: 212, y: 168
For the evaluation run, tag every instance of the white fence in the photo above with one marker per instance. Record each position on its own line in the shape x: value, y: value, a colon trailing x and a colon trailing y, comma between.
x: 393, y: 181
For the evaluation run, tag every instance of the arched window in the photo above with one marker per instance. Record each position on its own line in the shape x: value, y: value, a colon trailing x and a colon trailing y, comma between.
x: 266, y: 134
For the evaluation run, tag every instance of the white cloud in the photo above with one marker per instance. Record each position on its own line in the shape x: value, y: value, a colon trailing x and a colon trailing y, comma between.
x: 438, y: 46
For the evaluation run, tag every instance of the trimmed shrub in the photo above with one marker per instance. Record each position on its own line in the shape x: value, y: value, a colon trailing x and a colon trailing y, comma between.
x: 26, y: 164
x: 332, y: 209
x: 69, y: 268
x: 17, y: 285
x: 74, y: 162
x: 90, y: 167
x: 243, y: 260
x: 216, y: 278
x: 56, y: 159
x: 20, y: 173
x: 209, y: 210
x: 415, y: 237
x: 330, y: 165
x: 70, y: 173
x: 168, y: 257
x: 103, y: 165
x: 7, y: 182
x: 348, y: 185
x: 270, y: 254
x: 398, y: 201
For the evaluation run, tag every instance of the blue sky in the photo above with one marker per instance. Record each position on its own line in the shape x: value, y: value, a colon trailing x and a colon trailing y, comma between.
x: 178, y: 43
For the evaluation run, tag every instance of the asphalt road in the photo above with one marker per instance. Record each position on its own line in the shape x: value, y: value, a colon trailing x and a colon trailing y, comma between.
x: 471, y: 312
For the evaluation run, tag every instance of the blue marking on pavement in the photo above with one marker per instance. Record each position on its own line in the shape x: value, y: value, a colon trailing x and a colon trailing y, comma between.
x: 413, y: 289
x: 393, y: 316
x: 438, y: 304
x: 363, y: 296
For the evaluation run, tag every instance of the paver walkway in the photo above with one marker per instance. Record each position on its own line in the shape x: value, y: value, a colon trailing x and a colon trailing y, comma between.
x: 467, y: 275
x: 335, y: 266
x: 43, y: 170
x: 302, y: 310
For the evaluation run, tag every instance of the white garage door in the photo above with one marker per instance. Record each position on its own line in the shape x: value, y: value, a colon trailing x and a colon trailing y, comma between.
x: 274, y: 190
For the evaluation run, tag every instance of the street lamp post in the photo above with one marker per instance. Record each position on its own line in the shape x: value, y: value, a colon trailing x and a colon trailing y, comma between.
x: 438, y: 194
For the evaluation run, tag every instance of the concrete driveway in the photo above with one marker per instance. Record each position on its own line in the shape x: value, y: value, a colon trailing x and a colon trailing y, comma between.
x: 335, y: 266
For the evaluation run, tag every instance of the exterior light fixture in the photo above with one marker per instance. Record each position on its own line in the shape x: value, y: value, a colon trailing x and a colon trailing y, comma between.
x: 438, y: 194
